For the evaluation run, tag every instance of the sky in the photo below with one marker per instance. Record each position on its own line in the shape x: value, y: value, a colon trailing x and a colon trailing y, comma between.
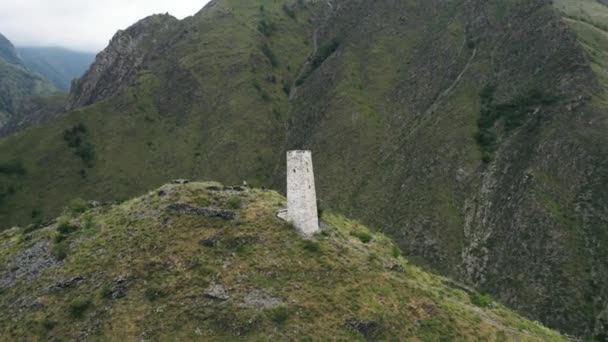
x: 82, y: 25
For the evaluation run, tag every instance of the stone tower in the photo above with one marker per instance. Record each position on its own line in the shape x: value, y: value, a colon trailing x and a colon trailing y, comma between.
x: 301, y: 194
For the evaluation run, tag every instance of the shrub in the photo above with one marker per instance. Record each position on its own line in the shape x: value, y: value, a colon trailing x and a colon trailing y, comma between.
x: 60, y: 250
x: 153, y: 293
x: 257, y: 85
x: 320, y: 208
x: 481, y: 300
x: 311, y: 246
x: 36, y: 214
x: 12, y: 168
x: 79, y: 307
x: 287, y: 88
x: 324, y: 52
x: 234, y: 202
x: 74, y: 135
x: 88, y: 221
x: 279, y: 314
x: 66, y: 229
x: 78, y: 206
x: 365, y: 237
x: 266, y: 28
x: 48, y: 324
x: 289, y: 11
x: 272, y: 58
x: 86, y: 152
x: 396, y: 251
x: 514, y: 114
x: 77, y: 138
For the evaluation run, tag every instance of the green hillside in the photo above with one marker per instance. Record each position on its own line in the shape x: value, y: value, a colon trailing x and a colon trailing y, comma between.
x: 471, y: 132
x: 161, y: 267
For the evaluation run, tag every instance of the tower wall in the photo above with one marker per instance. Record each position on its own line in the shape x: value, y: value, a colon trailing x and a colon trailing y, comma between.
x: 301, y: 194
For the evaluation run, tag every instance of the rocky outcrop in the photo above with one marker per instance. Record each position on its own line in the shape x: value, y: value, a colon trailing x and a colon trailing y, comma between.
x: 187, y: 209
x: 116, y: 67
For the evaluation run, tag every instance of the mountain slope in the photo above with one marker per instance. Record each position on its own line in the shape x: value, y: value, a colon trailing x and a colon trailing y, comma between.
x: 473, y: 132
x: 7, y: 51
x: 160, y: 267
x: 17, y: 83
x: 58, y: 65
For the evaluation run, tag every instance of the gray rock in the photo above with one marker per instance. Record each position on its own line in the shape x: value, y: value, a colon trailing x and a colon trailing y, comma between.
x: 216, y: 291
x: 28, y: 264
x: 212, y: 242
x: 94, y: 204
x: 117, y: 67
x: 459, y: 286
x: 27, y: 303
x: 258, y: 299
x: 187, y: 209
x: 366, y: 328
x: 68, y: 284
x: 119, y: 289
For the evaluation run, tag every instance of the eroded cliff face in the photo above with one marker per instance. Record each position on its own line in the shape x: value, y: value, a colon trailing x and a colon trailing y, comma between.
x: 117, y: 66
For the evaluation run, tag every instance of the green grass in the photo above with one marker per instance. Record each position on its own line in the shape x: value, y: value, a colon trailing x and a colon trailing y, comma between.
x: 315, y: 294
x: 78, y: 308
x: 234, y: 202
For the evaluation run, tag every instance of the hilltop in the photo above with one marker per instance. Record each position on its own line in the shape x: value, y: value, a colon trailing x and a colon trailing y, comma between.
x: 471, y: 132
x: 200, y: 260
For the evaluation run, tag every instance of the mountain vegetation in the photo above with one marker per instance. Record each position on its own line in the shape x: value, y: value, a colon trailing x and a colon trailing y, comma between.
x: 58, y: 65
x: 17, y: 82
x: 182, y: 262
x: 472, y: 132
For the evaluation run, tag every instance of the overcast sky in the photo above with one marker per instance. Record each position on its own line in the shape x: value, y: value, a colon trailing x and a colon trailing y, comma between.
x: 85, y: 25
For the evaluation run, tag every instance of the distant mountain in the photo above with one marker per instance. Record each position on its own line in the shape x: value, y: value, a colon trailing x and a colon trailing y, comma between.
x: 7, y: 51
x: 59, y: 65
x: 17, y: 82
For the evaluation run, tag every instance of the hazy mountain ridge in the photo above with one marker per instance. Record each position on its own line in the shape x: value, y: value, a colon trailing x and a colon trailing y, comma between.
x: 471, y: 131
x: 17, y: 83
x: 59, y: 65
x: 7, y: 51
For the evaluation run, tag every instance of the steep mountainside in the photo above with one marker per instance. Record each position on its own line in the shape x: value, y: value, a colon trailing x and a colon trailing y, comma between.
x: 17, y: 82
x: 471, y: 131
x: 7, y: 51
x: 117, y: 66
x: 197, y: 262
x: 58, y: 65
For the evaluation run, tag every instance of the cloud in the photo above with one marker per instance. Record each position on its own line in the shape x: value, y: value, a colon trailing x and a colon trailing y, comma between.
x: 85, y: 25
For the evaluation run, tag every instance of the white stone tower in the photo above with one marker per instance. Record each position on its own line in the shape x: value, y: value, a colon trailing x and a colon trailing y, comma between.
x: 301, y: 194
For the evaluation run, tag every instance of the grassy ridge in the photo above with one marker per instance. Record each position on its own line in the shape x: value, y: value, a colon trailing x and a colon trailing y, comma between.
x: 159, y: 266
